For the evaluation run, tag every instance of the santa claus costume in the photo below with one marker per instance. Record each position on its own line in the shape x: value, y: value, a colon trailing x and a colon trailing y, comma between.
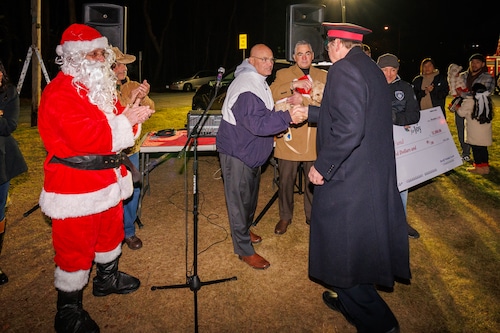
x: 85, y: 181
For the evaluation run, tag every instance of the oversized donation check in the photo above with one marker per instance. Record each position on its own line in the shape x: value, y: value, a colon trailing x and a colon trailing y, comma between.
x: 424, y: 150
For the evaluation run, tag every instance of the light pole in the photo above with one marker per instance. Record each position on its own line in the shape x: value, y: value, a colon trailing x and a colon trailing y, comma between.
x: 342, y: 6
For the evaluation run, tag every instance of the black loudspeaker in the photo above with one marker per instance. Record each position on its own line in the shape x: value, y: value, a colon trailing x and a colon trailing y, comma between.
x: 110, y: 20
x: 303, y: 22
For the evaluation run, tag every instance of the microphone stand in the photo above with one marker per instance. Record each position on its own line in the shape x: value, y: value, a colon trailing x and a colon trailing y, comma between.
x: 193, y: 281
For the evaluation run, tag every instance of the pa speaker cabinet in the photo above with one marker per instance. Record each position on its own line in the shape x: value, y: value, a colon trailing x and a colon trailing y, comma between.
x: 110, y: 20
x: 304, y: 23
x: 211, y: 122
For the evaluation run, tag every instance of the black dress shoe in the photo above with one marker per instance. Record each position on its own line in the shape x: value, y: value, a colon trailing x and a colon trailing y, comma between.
x: 412, y: 233
x: 281, y: 227
x: 3, y: 278
x: 332, y: 301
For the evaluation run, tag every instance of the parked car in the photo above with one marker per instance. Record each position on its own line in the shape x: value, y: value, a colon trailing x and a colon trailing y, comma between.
x: 204, y: 94
x: 193, y: 82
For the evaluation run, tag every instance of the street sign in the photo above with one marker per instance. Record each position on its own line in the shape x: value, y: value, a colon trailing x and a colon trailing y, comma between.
x: 243, y: 41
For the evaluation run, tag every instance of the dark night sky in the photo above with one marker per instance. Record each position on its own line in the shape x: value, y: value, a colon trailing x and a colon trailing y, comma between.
x: 201, y: 33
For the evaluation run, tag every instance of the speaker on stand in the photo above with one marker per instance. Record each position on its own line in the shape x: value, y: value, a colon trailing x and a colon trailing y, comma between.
x: 304, y: 23
x: 110, y: 20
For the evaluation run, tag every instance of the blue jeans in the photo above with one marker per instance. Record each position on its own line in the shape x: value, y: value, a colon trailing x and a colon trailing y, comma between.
x: 4, y: 190
x: 404, y: 198
x: 130, y: 205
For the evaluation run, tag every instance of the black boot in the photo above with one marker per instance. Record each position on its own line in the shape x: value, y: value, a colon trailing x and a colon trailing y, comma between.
x: 3, y: 277
x: 70, y: 316
x: 111, y: 281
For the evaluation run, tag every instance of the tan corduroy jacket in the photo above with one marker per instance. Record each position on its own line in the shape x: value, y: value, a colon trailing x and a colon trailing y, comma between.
x: 124, y: 92
x: 302, y: 144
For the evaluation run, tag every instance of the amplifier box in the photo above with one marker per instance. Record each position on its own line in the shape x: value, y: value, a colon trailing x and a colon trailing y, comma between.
x: 208, y: 126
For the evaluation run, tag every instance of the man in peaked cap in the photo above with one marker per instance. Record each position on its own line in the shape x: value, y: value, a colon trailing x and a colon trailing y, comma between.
x: 84, y: 129
x: 358, y: 233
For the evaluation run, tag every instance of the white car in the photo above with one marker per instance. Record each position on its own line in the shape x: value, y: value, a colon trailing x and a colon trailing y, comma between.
x: 193, y: 82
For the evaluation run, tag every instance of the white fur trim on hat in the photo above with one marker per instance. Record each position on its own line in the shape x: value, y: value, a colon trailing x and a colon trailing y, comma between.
x: 85, y: 46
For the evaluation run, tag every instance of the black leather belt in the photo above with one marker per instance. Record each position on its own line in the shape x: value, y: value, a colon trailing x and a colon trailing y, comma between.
x: 99, y: 162
x: 92, y: 162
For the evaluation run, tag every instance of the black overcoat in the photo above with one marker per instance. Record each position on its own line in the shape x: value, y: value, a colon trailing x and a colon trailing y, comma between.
x: 358, y: 225
x: 11, y: 160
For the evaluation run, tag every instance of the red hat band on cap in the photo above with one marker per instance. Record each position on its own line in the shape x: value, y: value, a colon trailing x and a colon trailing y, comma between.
x: 346, y: 31
x: 345, y: 35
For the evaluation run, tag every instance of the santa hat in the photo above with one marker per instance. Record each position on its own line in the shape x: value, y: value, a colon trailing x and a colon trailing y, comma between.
x: 80, y: 37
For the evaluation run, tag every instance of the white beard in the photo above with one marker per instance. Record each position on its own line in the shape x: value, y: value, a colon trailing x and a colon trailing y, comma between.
x: 97, y: 78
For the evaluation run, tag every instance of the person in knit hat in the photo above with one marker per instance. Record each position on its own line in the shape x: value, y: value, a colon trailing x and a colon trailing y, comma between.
x: 405, y: 108
x: 84, y: 129
x: 477, y: 72
x: 477, y: 110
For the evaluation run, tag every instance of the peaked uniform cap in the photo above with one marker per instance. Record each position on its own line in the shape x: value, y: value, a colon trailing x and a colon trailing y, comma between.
x: 80, y: 37
x: 346, y: 31
x: 121, y: 57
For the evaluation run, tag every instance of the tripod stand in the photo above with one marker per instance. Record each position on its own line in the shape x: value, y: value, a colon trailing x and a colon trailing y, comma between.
x: 276, y: 194
x: 193, y: 281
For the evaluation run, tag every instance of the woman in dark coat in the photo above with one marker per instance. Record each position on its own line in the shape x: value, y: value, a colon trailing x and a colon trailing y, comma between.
x: 431, y: 87
x: 11, y: 160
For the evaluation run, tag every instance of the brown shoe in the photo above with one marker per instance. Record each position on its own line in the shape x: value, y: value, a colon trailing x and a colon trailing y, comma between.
x: 255, y: 239
x: 134, y: 242
x: 255, y: 261
x: 281, y: 227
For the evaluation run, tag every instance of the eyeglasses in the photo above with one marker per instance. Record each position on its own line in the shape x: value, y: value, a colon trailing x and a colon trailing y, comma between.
x: 329, y: 42
x: 97, y: 53
x: 307, y: 54
x: 271, y: 60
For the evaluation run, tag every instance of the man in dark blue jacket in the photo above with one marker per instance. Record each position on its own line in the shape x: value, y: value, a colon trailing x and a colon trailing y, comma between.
x: 358, y: 227
x: 405, y: 107
x: 245, y: 141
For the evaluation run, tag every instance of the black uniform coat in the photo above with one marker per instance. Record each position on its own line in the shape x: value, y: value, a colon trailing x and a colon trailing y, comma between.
x: 358, y: 225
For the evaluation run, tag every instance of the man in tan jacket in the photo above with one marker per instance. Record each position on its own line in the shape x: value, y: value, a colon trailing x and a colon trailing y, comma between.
x: 298, y: 144
x: 128, y: 92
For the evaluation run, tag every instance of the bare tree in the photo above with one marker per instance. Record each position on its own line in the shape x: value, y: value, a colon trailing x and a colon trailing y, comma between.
x: 157, y: 41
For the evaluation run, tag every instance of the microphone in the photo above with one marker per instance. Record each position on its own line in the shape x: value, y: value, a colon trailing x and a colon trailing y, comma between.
x: 219, y: 77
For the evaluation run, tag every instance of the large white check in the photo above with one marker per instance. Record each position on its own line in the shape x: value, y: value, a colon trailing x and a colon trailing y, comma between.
x: 424, y: 150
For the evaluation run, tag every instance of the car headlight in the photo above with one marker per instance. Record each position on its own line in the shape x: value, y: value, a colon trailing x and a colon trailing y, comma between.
x: 178, y: 82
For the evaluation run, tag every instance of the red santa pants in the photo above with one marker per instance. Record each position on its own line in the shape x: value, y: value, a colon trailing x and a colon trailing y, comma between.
x: 76, y: 240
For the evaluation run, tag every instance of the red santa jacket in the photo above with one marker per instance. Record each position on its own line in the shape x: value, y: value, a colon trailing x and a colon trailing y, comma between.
x: 70, y: 125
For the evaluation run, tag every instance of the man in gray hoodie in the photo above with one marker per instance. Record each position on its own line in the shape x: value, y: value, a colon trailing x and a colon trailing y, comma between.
x: 245, y: 141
